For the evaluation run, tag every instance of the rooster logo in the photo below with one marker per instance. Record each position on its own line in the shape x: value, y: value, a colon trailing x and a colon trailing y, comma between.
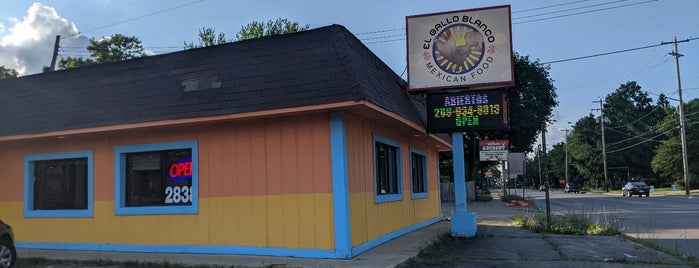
x: 458, y: 49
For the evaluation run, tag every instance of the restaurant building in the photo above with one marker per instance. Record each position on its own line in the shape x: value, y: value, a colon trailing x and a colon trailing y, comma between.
x: 302, y: 144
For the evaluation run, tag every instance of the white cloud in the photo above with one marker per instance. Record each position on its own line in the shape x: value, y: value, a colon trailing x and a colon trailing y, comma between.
x: 28, y: 43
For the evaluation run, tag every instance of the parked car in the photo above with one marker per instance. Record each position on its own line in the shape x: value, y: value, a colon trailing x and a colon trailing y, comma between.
x: 635, y: 188
x: 571, y: 188
x: 8, y: 253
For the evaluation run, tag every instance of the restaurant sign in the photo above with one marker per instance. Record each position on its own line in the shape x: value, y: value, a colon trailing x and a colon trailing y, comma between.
x: 460, y: 49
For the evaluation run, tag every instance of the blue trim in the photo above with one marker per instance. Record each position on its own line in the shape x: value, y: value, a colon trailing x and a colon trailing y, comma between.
x: 390, y: 236
x: 463, y: 223
x: 457, y: 141
x: 239, y: 250
x: 120, y: 179
x: 340, y: 184
x: 425, y: 181
x: 29, y: 211
x: 389, y: 197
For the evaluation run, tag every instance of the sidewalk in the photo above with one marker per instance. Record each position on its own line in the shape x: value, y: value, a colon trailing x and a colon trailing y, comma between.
x: 498, y: 243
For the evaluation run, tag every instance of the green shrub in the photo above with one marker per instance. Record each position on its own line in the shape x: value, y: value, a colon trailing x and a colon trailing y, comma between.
x: 509, y: 198
x: 571, y: 222
x: 484, y: 197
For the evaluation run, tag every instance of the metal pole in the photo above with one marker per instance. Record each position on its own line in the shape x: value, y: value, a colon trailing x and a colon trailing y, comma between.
x: 566, y: 130
x: 604, y: 150
x: 543, y: 145
x: 683, y: 125
x: 538, y: 152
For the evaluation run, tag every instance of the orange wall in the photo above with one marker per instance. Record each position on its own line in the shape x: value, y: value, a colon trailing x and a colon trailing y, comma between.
x: 370, y: 220
x: 261, y: 183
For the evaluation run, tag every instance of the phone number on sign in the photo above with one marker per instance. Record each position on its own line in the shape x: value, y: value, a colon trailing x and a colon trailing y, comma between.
x: 447, y: 112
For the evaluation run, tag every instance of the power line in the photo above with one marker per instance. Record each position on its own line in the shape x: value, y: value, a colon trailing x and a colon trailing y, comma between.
x: 603, y: 54
x: 585, y: 12
x: 545, y: 7
x: 566, y: 10
x: 531, y: 9
x: 136, y: 18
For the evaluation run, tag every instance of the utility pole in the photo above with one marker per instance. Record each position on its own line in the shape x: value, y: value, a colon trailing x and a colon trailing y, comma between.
x: 56, y: 45
x: 543, y: 146
x: 683, y: 125
x: 566, y: 148
x: 538, y: 153
x: 604, y: 149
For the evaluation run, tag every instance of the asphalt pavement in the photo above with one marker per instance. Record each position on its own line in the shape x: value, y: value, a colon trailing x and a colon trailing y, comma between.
x: 498, y: 243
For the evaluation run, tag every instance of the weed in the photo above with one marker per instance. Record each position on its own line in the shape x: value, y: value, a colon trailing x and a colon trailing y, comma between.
x: 571, y: 222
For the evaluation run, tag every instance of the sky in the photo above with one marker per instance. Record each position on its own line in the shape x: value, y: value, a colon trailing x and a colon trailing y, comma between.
x: 564, y: 33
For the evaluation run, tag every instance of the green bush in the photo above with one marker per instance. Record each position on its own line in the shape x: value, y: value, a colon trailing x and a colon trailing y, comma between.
x: 509, y: 198
x: 484, y: 197
x: 571, y: 222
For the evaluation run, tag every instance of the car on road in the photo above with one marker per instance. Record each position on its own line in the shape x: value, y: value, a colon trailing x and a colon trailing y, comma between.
x: 8, y: 253
x: 635, y: 188
x: 571, y: 188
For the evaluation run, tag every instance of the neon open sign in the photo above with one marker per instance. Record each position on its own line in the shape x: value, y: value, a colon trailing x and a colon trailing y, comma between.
x: 484, y: 110
x: 182, y: 170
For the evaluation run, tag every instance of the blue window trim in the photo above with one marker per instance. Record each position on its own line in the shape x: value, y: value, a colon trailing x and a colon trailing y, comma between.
x: 388, y: 197
x: 426, y: 194
x: 120, y: 179
x: 29, y: 211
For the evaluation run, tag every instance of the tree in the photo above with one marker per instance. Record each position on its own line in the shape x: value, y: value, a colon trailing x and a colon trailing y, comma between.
x: 585, y: 151
x: 208, y: 37
x: 631, y: 130
x: 530, y: 104
x: 257, y: 29
x: 117, y: 47
x: 70, y: 62
x: 667, y: 160
x: 7, y: 72
x: 556, y: 159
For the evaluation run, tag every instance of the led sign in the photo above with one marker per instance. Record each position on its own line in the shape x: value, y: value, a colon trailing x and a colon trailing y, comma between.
x: 484, y: 110
x: 181, y: 170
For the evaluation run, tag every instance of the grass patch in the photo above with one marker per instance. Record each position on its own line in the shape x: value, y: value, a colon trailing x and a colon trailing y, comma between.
x: 691, y: 260
x: 430, y: 255
x: 572, y: 222
x: 669, y: 191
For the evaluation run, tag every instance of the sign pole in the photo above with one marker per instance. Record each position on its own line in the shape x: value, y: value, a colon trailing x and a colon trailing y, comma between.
x: 463, y: 223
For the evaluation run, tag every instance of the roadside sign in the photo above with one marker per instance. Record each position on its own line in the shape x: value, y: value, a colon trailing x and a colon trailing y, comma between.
x: 493, y: 150
x: 515, y: 164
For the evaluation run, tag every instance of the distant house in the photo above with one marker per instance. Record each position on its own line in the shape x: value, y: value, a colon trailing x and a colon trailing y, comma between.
x: 303, y: 145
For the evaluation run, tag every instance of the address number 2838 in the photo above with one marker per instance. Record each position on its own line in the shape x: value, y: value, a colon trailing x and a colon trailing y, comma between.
x: 177, y: 194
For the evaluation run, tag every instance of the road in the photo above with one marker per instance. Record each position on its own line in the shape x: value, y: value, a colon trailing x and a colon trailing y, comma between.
x: 670, y: 221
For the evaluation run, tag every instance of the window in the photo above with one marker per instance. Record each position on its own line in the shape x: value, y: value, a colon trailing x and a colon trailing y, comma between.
x: 58, y: 185
x: 387, y: 170
x: 156, y: 178
x: 418, y: 173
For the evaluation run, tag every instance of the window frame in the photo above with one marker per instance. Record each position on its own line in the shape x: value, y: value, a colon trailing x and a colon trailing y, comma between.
x: 120, y: 153
x: 382, y: 198
x: 30, y: 212
x: 426, y: 193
